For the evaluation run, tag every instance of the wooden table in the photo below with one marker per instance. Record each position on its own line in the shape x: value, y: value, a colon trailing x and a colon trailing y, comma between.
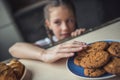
x: 58, y: 70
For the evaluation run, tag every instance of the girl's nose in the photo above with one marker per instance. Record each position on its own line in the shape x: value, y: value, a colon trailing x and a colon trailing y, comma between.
x: 64, y: 26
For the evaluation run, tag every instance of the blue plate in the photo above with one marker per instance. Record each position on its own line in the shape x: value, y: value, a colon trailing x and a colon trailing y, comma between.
x: 79, y: 71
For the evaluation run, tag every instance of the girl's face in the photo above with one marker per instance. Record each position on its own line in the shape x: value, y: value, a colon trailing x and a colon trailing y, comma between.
x: 61, y: 22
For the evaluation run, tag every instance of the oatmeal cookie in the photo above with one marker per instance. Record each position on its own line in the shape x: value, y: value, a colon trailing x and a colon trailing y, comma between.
x: 114, y: 49
x: 17, y: 67
x: 78, y: 58
x: 113, y: 66
x: 100, y: 45
x: 3, y: 67
x: 95, y: 59
x: 94, y: 72
x: 6, y: 73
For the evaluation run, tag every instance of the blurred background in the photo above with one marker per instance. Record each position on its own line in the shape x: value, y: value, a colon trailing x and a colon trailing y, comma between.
x: 23, y: 20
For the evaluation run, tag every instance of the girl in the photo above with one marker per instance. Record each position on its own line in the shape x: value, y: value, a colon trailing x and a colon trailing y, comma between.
x: 60, y: 19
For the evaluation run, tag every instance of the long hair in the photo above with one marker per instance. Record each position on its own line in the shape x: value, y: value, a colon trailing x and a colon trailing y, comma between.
x: 57, y: 3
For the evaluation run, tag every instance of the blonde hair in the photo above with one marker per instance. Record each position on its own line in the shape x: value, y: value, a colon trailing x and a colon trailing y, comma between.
x: 57, y: 3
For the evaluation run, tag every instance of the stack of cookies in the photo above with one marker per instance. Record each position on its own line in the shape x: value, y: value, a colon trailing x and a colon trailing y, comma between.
x: 99, y: 58
x: 11, y: 71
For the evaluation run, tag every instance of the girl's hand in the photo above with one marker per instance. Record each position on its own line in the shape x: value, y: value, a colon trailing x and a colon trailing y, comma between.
x: 63, y: 51
x: 78, y: 32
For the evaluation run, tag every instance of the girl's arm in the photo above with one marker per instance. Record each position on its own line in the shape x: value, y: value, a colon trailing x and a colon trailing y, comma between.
x: 30, y: 51
x: 26, y: 50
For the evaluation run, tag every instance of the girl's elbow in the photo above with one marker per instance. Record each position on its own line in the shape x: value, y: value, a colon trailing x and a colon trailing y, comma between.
x: 13, y: 48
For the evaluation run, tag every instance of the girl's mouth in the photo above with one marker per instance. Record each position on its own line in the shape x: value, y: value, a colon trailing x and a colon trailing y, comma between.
x: 66, y: 35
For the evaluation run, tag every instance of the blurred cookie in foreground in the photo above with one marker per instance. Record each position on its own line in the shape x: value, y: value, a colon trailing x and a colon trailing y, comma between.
x: 6, y: 72
x: 113, y: 66
x: 114, y: 49
x: 17, y: 67
x: 94, y: 72
x: 14, y: 70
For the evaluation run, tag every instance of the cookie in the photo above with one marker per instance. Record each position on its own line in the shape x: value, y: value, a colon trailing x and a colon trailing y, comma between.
x: 17, y: 67
x: 100, y: 45
x: 114, y: 49
x: 6, y: 73
x: 3, y: 67
x: 94, y: 72
x: 95, y: 59
x: 113, y: 66
x: 78, y: 58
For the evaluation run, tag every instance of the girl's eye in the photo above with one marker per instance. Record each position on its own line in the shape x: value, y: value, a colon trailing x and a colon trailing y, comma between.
x: 70, y: 21
x: 57, y: 22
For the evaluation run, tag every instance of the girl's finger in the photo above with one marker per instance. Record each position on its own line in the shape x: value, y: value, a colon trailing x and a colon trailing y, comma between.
x: 76, y: 32
x: 79, y: 32
x: 80, y: 43
x: 65, y: 55
x: 69, y: 50
x: 72, y: 45
x: 82, y: 29
x: 73, y: 34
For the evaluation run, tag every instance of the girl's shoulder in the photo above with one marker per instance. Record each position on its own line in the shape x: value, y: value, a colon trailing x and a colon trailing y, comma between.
x: 45, y: 41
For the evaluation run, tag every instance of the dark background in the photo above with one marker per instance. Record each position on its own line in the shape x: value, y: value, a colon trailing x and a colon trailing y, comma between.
x: 28, y: 15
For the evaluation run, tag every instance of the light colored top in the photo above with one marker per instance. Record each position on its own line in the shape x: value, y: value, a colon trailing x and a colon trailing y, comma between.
x: 46, y: 41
